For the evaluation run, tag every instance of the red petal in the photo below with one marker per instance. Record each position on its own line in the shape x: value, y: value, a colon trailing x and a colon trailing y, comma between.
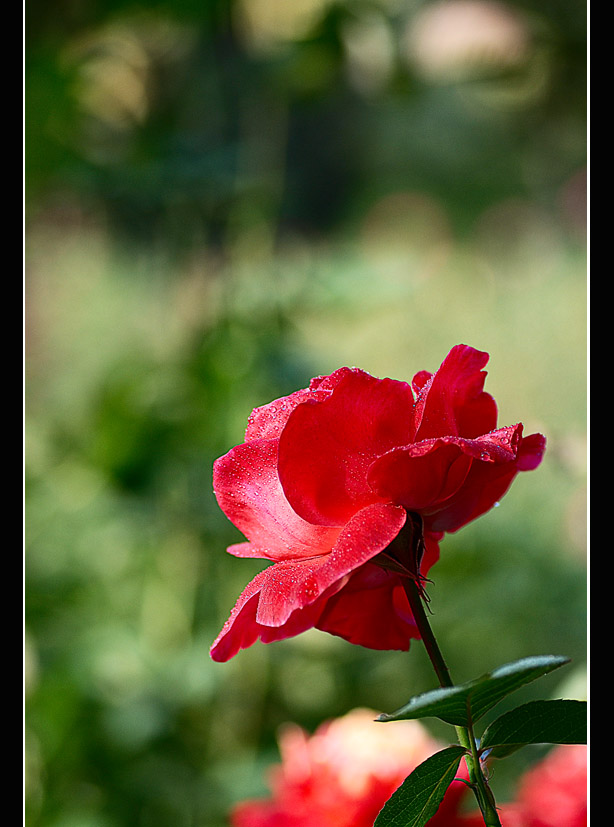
x: 241, y: 629
x: 453, y: 402
x: 426, y: 474
x: 293, y: 585
x: 421, y: 481
x: 485, y: 484
x: 330, y: 382
x: 420, y: 380
x: 249, y: 550
x: 371, y: 610
x: 249, y: 493
x: 531, y: 451
x: 268, y: 421
x: 288, y: 597
x: 327, y: 446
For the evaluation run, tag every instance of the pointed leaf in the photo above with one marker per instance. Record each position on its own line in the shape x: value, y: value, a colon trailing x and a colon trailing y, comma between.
x: 449, y: 704
x: 419, y: 796
x: 466, y: 703
x: 538, y: 722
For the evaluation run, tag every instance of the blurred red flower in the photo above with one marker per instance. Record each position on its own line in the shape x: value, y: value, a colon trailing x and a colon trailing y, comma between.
x: 553, y: 793
x: 348, y: 486
x: 343, y: 774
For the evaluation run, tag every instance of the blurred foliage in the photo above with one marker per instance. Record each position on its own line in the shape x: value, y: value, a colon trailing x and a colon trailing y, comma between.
x: 189, y: 121
x: 223, y: 200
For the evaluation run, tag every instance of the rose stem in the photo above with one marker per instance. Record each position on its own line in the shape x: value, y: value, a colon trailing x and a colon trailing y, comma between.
x: 465, y: 734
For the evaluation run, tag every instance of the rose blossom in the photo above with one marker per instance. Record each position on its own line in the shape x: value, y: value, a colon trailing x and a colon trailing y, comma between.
x: 348, y: 486
x: 342, y: 775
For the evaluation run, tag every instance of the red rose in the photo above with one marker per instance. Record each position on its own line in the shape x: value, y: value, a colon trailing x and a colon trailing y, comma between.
x: 329, y: 476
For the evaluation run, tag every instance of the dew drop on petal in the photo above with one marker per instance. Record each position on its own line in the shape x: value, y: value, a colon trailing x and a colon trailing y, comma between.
x: 309, y: 588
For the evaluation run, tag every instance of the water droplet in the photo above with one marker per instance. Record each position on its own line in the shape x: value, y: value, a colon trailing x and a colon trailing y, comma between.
x: 310, y: 588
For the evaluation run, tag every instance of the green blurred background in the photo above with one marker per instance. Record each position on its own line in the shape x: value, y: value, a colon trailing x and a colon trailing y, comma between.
x: 224, y: 199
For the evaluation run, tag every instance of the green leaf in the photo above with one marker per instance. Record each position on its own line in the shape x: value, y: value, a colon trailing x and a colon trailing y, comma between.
x: 464, y: 704
x: 419, y: 796
x: 538, y: 722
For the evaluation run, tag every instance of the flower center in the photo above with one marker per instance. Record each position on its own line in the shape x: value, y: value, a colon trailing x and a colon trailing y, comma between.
x: 404, y: 554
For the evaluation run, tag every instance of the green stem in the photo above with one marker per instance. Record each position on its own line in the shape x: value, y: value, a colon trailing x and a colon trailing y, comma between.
x: 466, y: 736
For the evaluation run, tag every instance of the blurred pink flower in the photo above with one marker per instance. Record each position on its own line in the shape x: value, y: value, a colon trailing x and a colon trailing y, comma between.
x: 342, y: 775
